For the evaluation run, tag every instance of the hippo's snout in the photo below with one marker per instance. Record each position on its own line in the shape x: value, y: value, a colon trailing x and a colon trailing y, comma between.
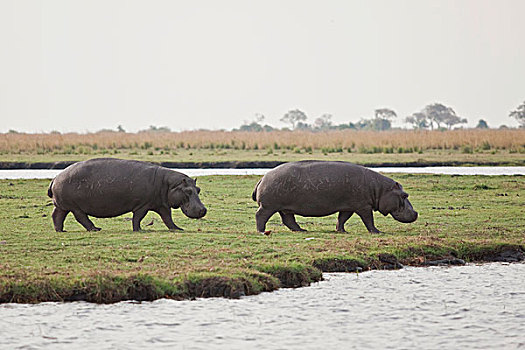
x: 407, y: 217
x: 194, y: 212
x: 406, y: 214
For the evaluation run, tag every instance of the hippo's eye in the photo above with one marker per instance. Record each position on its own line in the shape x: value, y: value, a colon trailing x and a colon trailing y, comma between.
x: 402, y: 200
x: 198, y: 190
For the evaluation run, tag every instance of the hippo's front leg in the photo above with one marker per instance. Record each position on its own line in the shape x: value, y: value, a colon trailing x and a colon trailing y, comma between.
x: 165, y: 215
x: 367, y: 217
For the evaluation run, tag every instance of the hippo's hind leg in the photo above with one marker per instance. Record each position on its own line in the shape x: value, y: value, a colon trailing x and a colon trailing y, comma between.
x: 165, y: 215
x: 59, y: 215
x: 138, y: 215
x: 341, y: 219
x: 83, y: 219
x: 368, y: 219
x: 289, y: 221
x: 261, y: 218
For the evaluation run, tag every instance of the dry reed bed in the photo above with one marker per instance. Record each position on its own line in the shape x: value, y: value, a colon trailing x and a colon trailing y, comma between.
x: 512, y: 139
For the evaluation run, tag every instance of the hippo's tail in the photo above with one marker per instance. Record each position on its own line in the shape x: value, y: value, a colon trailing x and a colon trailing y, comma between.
x: 49, y: 191
x: 254, y: 194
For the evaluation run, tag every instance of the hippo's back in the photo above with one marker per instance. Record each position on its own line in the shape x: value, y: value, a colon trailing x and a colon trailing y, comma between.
x: 319, y: 168
x: 311, y: 172
x: 103, y: 167
x: 104, y: 187
x: 312, y: 188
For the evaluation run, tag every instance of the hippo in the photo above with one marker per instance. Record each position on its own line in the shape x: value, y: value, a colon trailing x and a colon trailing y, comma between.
x: 109, y: 187
x: 321, y: 188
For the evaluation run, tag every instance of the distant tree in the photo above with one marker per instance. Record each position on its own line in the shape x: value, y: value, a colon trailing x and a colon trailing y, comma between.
x: 153, y: 128
x: 293, y: 117
x: 120, y: 129
x: 418, y: 120
x: 350, y: 125
x: 383, y: 117
x: 303, y: 126
x: 441, y: 114
x: 452, y: 120
x: 253, y: 126
x: 482, y: 124
x: 377, y: 123
x: 324, y: 122
x: 519, y: 114
x: 385, y: 113
x: 381, y: 124
x: 365, y: 124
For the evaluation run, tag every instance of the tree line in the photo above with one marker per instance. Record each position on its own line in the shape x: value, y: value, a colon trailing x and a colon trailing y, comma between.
x: 435, y: 116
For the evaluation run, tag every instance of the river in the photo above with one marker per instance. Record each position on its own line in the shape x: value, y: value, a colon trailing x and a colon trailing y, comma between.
x: 480, y: 170
x: 467, y: 307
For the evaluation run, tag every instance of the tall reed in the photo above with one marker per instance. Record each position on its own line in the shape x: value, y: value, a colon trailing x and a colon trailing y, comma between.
x: 344, y: 139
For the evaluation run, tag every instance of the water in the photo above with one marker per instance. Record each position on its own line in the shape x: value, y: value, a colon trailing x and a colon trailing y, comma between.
x: 472, y: 307
x: 518, y: 170
x: 49, y: 174
x: 459, y: 170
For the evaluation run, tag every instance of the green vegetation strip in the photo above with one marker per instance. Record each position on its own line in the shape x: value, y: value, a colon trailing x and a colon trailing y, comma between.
x: 474, y: 218
x: 231, y: 158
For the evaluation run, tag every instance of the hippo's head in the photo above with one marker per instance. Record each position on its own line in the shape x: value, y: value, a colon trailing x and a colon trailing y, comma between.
x: 395, y: 202
x: 186, y: 196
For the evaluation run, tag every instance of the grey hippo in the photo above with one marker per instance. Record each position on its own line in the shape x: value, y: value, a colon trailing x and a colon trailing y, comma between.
x: 109, y: 187
x: 320, y: 188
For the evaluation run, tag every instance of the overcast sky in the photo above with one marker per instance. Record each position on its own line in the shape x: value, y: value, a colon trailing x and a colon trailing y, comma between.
x: 87, y: 65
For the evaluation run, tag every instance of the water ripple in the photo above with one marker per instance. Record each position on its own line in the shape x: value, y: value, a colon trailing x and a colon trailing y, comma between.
x: 475, y: 307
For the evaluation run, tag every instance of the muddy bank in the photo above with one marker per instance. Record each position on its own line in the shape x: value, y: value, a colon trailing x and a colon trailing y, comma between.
x: 250, y: 164
x: 504, y: 253
x: 110, y: 289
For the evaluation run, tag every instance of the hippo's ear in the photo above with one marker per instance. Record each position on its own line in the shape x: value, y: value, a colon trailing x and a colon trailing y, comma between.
x: 195, y: 180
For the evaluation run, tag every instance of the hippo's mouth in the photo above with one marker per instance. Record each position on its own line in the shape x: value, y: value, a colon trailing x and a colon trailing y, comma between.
x: 405, y: 213
x: 194, y: 213
x: 405, y: 216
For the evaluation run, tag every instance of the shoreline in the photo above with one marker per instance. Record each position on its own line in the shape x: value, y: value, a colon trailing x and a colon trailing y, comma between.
x: 107, y: 289
x: 58, y: 165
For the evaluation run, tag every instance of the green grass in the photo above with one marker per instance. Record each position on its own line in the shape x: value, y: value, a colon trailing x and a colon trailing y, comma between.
x: 222, y: 255
x: 490, y: 157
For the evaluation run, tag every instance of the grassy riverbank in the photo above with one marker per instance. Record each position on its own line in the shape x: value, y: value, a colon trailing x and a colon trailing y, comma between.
x: 260, y: 158
x: 474, y: 218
